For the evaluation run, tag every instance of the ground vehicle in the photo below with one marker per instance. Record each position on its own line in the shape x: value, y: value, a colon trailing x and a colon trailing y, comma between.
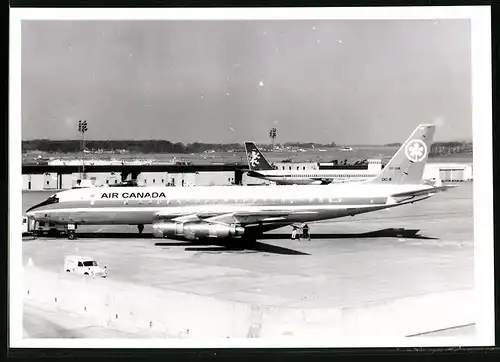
x: 38, y: 228
x: 32, y: 227
x: 48, y: 228
x: 83, y: 265
x: 28, y: 226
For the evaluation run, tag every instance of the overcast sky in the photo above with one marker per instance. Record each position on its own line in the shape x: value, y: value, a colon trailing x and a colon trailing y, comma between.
x: 351, y: 82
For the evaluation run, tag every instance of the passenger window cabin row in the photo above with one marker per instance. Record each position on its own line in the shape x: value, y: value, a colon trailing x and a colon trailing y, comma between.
x: 221, y: 201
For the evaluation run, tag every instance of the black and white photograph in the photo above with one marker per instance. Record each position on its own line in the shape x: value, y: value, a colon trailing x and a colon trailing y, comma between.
x: 308, y: 177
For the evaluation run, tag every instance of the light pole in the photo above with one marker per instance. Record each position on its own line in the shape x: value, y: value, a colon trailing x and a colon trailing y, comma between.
x: 272, y: 135
x: 82, y: 128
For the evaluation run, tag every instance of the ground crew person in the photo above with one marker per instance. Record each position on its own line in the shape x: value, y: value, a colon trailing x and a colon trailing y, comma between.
x: 305, y: 232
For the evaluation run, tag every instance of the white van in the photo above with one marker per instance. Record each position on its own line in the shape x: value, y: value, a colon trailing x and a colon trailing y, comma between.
x: 83, y: 265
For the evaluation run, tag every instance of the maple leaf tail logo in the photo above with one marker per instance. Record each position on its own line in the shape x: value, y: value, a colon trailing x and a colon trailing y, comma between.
x: 253, y: 158
x: 416, y: 150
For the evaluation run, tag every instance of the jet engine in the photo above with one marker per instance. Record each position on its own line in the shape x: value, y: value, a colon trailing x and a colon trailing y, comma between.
x: 196, y: 230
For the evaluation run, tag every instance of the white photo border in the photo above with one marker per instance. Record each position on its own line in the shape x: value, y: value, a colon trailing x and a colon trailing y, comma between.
x: 482, y: 159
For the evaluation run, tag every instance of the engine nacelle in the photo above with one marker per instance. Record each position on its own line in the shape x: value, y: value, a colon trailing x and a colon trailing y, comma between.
x: 196, y: 230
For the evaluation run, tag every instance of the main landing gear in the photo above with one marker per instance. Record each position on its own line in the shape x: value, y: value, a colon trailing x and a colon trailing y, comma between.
x: 140, y: 227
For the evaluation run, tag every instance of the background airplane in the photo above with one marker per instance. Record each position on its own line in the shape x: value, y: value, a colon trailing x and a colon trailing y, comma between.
x: 259, y: 167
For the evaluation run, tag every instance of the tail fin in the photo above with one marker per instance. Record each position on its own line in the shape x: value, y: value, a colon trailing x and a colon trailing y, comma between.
x: 407, y: 165
x: 256, y: 160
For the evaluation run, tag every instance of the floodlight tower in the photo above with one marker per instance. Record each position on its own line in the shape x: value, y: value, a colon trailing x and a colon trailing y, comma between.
x: 272, y: 135
x: 82, y: 128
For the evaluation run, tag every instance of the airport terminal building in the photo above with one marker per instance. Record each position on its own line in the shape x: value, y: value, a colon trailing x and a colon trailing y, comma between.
x: 190, y: 176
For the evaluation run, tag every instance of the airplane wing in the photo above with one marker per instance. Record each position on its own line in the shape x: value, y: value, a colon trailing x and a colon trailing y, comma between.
x: 324, y: 181
x: 243, y: 218
x: 183, y: 217
x: 259, y: 221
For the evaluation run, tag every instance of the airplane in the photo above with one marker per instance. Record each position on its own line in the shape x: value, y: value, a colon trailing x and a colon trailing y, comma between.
x: 244, y: 212
x: 259, y: 167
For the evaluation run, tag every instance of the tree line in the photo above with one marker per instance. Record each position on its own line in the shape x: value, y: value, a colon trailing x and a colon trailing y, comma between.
x: 448, y: 148
x: 307, y: 145
x: 133, y: 146
x: 162, y: 146
x: 146, y: 146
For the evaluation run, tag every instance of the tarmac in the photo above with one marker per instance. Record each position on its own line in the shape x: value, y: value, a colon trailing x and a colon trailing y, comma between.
x: 424, y: 250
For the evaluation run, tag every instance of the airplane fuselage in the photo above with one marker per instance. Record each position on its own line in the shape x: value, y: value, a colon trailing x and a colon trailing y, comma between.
x: 145, y: 205
x: 308, y: 177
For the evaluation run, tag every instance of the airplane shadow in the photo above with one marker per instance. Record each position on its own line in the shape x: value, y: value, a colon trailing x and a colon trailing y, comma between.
x: 384, y: 233
x: 210, y: 245
x: 256, y: 246
x: 116, y: 235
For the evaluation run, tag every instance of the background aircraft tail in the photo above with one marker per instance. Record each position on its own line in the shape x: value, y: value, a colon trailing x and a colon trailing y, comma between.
x: 407, y: 165
x: 256, y: 160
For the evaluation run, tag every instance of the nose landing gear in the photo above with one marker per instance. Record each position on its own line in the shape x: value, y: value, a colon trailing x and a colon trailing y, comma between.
x: 71, y: 231
x: 140, y: 227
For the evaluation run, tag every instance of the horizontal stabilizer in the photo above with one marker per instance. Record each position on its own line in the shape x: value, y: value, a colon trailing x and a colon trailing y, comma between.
x: 423, y: 192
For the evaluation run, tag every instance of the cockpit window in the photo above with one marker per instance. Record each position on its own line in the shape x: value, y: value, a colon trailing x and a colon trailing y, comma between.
x: 51, y: 200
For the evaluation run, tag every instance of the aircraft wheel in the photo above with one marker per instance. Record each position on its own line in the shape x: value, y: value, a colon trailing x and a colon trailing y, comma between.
x: 140, y: 227
x: 71, y: 235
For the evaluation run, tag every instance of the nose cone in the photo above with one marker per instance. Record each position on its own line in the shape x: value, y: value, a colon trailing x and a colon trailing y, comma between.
x: 35, y: 212
x: 33, y: 215
x: 31, y: 210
